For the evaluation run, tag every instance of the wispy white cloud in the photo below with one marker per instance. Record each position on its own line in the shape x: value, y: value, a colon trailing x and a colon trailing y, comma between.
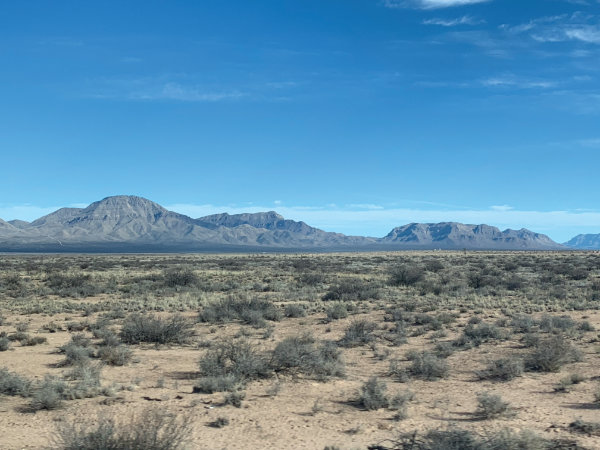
x: 156, y: 90
x: 183, y: 88
x: 516, y: 82
x: 501, y: 208
x: 464, y: 20
x: 429, y: 4
x: 566, y: 27
x: 590, y: 143
x: 179, y: 92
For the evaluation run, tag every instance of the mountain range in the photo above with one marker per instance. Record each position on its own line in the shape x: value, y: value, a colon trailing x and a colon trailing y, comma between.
x: 130, y: 223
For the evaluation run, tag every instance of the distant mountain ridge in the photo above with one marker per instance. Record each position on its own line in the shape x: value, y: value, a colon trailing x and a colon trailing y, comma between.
x: 130, y: 223
x: 452, y: 235
x: 585, y: 242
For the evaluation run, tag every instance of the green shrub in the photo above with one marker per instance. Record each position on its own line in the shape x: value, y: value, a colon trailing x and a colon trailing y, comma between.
x: 294, y: 310
x: 13, y: 384
x: 589, y: 428
x: 352, y: 289
x: 118, y: 355
x: 457, y: 439
x: 237, y: 359
x: 148, y: 328
x: 552, y: 324
x: 299, y: 354
x: 179, y: 277
x: 337, y: 311
x: 398, y: 403
x: 76, y: 354
x: 565, y: 383
x: 49, y: 394
x: 34, y: 340
x: 87, y: 381
x: 406, y: 275
x: 251, y: 311
x: 443, y: 349
x: 475, y: 335
x: 359, y: 332
x: 549, y: 355
x: 4, y: 343
x: 234, y: 398
x: 216, y: 383
x: 504, y: 369
x: 219, y: 422
x: 490, y: 406
x: 154, y: 429
x: 428, y: 366
x: 373, y: 395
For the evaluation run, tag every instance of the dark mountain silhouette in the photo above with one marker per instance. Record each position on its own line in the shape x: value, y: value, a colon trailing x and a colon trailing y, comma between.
x: 585, y: 242
x: 130, y: 223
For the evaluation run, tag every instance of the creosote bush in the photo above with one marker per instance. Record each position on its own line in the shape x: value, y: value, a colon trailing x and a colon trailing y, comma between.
x: 148, y: 328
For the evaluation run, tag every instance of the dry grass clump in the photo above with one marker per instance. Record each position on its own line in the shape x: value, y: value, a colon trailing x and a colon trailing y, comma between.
x: 153, y: 429
x: 491, y: 406
x: 148, y: 328
x: 230, y: 364
x: 359, y: 332
x: 13, y: 384
x: 427, y: 366
x: 253, y: 311
x: 457, y: 439
x: 550, y: 354
x: 300, y: 354
x: 503, y: 369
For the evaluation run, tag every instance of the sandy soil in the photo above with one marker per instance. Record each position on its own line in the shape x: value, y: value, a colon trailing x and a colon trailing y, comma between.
x: 304, y: 413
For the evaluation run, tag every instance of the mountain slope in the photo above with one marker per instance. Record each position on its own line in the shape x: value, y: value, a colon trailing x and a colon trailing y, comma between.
x: 585, y: 242
x: 270, y: 228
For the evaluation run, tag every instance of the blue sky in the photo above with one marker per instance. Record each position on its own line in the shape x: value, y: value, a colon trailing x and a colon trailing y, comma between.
x: 353, y: 115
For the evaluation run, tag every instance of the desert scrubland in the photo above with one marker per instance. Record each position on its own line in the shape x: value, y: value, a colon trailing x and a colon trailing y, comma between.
x: 404, y: 350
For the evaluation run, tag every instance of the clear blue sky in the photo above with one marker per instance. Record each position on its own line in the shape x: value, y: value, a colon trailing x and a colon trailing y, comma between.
x: 353, y: 115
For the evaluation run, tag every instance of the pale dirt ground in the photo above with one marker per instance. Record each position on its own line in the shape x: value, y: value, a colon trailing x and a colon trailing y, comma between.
x: 287, y: 420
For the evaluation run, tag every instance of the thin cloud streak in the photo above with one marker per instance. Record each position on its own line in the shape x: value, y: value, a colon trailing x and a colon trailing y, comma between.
x: 464, y: 20
x: 429, y: 4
